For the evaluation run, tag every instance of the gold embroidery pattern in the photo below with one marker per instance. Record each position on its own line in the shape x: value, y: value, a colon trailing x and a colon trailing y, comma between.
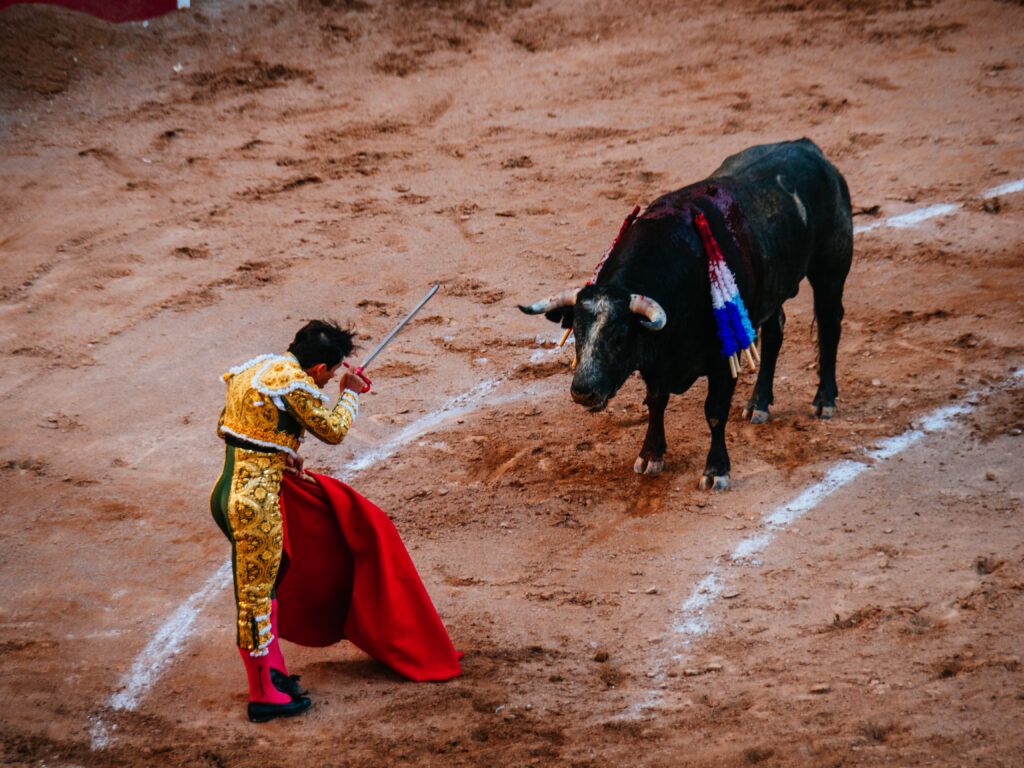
x: 282, y: 376
x: 251, y: 414
x: 267, y: 383
x: 328, y: 424
x: 254, y: 515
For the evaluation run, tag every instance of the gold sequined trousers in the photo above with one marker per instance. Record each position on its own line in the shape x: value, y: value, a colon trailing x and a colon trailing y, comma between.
x: 246, y: 505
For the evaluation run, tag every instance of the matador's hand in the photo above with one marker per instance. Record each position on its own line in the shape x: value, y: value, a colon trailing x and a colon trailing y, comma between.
x: 294, y: 465
x: 352, y: 381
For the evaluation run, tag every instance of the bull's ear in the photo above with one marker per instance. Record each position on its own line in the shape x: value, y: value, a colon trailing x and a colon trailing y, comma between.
x: 562, y: 316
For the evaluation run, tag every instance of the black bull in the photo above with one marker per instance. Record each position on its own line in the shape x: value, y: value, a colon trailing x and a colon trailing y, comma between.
x: 779, y: 213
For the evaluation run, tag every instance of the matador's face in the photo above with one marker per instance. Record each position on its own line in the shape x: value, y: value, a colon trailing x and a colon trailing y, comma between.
x: 321, y: 374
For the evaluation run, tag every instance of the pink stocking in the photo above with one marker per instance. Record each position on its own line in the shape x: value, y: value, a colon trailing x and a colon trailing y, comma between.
x: 257, y: 669
x: 274, y: 650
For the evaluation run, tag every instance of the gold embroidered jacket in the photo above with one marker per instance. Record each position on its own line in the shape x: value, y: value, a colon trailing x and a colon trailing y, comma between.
x: 271, y: 401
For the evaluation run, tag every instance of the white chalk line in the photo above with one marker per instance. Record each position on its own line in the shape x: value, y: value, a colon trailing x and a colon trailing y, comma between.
x: 919, y: 215
x: 170, y: 638
x: 456, y: 406
x: 693, y: 622
x: 1004, y: 189
x: 161, y: 650
x: 156, y: 656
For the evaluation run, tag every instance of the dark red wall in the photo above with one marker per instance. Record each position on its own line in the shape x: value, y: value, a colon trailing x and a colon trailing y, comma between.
x: 111, y: 10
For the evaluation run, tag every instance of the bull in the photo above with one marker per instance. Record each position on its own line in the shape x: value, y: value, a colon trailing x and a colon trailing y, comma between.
x: 779, y: 213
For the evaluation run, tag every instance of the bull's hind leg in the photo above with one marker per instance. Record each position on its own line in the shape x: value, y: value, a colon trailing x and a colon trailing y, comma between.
x: 764, y: 394
x: 721, y: 385
x: 827, y: 283
x: 828, y: 310
x: 651, y: 460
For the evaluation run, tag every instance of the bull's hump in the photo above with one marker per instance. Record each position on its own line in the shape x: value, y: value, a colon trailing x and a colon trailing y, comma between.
x: 681, y: 201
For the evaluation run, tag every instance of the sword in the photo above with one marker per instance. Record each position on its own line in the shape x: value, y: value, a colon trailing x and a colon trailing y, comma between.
x: 387, y: 339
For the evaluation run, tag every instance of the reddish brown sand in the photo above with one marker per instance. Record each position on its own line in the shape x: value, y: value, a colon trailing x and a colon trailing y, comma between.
x: 179, y: 197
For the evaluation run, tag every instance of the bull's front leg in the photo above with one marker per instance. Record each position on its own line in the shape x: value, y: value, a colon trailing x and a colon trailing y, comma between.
x: 651, y: 460
x: 763, y: 395
x: 721, y: 385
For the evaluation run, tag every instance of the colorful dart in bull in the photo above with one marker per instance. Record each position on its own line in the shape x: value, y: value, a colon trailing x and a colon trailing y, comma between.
x: 734, y: 329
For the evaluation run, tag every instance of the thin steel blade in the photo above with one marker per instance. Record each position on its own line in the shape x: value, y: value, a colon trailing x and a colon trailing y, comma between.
x: 397, y: 328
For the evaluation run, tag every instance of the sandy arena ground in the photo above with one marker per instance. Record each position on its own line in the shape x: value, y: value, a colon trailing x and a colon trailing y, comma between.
x: 180, y: 196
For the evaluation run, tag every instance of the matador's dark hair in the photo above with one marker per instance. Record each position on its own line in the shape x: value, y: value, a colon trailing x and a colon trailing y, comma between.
x: 321, y: 341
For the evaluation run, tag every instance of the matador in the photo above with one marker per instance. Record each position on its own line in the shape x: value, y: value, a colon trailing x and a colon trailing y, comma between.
x: 272, y: 400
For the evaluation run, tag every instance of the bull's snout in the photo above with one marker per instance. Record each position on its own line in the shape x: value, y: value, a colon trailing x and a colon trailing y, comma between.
x: 590, y: 400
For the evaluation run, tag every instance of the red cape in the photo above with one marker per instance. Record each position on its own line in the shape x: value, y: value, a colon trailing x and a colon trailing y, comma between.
x: 346, y: 574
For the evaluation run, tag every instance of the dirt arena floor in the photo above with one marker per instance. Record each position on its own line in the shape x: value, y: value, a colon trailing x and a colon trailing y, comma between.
x: 179, y: 196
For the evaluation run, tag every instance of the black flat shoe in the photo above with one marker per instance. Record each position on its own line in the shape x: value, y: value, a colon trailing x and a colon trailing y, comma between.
x: 287, y: 683
x: 261, y: 712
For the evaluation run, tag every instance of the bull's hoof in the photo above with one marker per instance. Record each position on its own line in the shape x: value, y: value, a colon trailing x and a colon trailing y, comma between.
x: 714, y: 483
x: 825, y: 412
x: 756, y: 416
x: 644, y: 466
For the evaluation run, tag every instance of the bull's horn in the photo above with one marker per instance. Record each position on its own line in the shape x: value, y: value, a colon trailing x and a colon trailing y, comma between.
x: 649, y: 308
x: 566, y: 298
